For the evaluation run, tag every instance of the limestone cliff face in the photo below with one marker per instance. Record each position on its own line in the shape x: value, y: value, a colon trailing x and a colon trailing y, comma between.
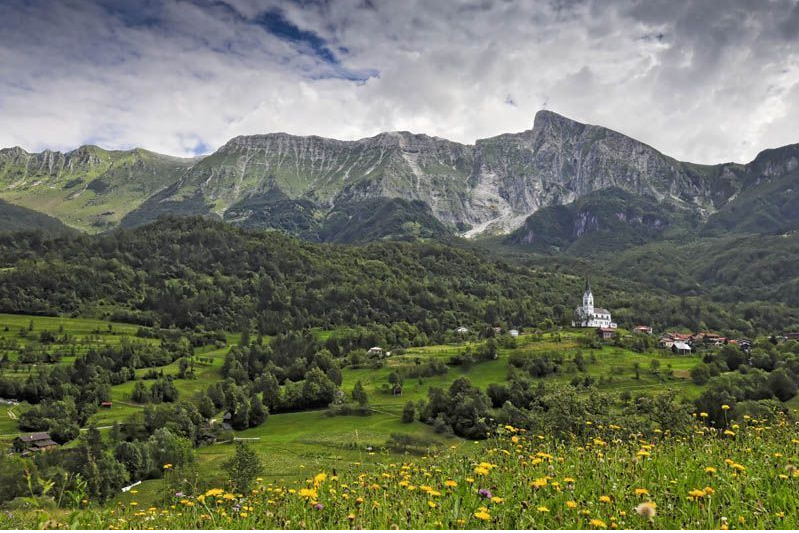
x: 327, y: 171
x: 491, y: 186
x: 560, y: 160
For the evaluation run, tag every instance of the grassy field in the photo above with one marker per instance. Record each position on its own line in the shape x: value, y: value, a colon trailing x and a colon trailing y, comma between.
x: 294, y: 444
x: 746, y: 479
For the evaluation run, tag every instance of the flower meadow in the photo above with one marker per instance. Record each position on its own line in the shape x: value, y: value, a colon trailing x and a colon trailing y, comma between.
x: 745, y: 477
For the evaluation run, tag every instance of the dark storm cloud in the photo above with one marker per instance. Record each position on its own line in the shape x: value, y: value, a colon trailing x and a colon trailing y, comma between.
x: 704, y: 81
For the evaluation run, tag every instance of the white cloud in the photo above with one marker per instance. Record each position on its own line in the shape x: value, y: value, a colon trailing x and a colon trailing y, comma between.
x: 706, y: 82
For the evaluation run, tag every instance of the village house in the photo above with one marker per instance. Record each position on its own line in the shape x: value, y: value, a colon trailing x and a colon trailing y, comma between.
x: 666, y: 341
x: 643, y: 329
x: 606, y: 333
x: 377, y: 351
x: 35, y: 442
x: 710, y: 339
x: 514, y: 333
x: 680, y: 347
x: 462, y: 330
x: 588, y: 316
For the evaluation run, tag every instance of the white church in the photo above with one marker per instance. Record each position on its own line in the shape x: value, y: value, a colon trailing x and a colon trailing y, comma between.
x: 588, y: 316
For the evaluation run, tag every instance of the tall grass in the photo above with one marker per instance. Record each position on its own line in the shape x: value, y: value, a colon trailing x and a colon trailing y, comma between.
x: 743, y: 478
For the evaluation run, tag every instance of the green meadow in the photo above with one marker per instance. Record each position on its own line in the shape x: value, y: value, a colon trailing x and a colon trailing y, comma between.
x: 294, y: 444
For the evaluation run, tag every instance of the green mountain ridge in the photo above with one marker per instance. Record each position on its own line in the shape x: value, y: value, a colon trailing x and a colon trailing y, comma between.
x: 488, y: 188
x: 88, y: 188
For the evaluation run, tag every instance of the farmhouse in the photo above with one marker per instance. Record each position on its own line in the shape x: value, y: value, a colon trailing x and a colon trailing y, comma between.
x: 514, y: 333
x: 681, y: 347
x: 588, y: 316
x: 35, y: 442
x: 606, y: 333
x: 710, y: 339
x: 643, y: 329
x: 376, y: 351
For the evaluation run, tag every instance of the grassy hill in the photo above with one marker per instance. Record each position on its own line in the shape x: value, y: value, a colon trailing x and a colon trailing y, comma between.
x: 89, y: 188
x: 15, y: 218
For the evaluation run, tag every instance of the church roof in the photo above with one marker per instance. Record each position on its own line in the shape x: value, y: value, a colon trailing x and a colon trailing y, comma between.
x: 600, y: 311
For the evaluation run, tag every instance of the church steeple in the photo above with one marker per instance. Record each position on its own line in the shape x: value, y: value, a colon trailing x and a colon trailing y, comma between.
x: 588, y: 299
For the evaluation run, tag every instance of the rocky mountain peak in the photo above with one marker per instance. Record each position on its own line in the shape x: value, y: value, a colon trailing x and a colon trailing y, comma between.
x: 549, y: 122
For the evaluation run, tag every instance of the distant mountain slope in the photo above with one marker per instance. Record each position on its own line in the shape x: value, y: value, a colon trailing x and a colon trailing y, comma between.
x: 88, y: 188
x: 768, y: 201
x: 606, y: 220
x: 296, y: 183
x: 489, y: 187
x: 16, y: 218
x: 730, y: 269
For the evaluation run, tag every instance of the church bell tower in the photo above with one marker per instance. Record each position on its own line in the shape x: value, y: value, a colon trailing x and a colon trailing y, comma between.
x: 588, y: 300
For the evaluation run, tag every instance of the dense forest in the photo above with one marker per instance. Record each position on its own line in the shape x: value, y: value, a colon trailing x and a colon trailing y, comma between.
x: 199, y: 273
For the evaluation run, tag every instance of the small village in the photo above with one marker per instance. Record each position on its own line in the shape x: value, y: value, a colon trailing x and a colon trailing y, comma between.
x: 586, y: 317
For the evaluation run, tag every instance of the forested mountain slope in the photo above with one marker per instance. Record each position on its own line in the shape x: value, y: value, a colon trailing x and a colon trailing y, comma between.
x: 194, y: 272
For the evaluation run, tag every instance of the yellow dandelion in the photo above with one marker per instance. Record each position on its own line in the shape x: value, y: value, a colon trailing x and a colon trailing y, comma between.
x: 543, y: 509
x: 571, y: 504
x: 482, y: 515
x: 641, y: 492
x: 451, y: 483
x: 595, y: 522
x: 310, y: 494
x: 540, y: 482
x: 604, y: 499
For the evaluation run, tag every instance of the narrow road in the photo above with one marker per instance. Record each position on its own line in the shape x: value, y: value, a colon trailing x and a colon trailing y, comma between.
x: 29, y: 432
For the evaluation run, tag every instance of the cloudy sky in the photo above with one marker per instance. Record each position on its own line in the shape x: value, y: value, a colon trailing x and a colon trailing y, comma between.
x: 707, y: 81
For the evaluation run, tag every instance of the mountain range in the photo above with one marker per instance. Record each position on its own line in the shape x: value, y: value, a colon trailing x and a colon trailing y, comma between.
x: 545, y: 188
